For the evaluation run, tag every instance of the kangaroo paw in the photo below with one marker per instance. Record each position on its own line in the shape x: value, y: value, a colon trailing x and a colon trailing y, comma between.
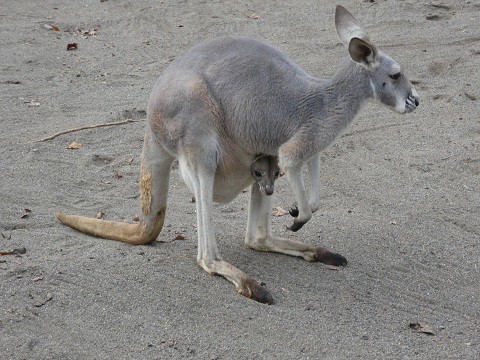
x: 327, y: 257
x: 253, y: 290
x: 297, y: 225
x: 294, y: 211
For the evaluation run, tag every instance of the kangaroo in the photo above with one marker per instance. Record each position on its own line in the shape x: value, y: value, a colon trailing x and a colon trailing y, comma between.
x: 265, y: 171
x: 226, y: 100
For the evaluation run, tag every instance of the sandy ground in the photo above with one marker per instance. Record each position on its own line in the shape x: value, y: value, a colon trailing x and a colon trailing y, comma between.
x: 400, y: 194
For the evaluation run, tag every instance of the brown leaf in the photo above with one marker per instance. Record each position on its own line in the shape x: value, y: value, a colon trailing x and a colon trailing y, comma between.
x: 72, y: 46
x: 177, y: 237
x: 100, y: 215
x: 26, y: 213
x: 421, y: 327
x: 7, y: 236
x: 135, y: 218
x: 118, y: 176
x: 74, y: 145
x: 51, y: 27
x: 193, y: 200
x: 38, y: 278
x: 278, y: 211
x: 130, y: 160
x: 86, y: 32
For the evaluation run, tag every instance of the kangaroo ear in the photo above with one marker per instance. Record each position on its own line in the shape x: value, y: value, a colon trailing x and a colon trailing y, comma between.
x: 362, y: 52
x: 347, y: 26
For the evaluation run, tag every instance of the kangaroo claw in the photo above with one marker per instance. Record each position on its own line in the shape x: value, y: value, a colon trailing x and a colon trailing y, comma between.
x: 294, y: 211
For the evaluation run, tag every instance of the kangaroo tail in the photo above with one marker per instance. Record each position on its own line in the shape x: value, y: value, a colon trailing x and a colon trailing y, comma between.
x: 142, y: 233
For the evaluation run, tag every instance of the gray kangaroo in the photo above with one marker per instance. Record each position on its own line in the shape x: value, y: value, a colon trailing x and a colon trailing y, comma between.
x: 265, y: 171
x: 226, y: 100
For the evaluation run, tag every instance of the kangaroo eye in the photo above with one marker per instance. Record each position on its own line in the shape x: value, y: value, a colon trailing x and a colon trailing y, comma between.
x: 395, y: 76
x: 257, y: 173
x: 276, y: 173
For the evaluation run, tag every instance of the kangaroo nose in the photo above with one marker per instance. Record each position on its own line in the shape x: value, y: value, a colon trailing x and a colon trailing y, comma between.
x: 416, y: 98
x: 269, y: 190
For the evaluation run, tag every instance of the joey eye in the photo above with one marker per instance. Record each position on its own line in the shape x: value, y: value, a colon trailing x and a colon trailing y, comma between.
x: 395, y: 76
x: 276, y: 173
x: 257, y: 173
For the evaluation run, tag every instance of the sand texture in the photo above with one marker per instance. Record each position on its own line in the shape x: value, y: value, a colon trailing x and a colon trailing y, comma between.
x: 400, y: 193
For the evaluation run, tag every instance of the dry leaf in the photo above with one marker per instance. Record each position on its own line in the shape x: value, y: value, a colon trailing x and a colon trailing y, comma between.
x: 6, y: 236
x: 130, y: 160
x: 193, y: 200
x: 393, y: 222
x: 72, y: 46
x: 51, y: 27
x: 135, y: 218
x: 177, y: 237
x: 278, y: 211
x: 74, y: 145
x: 100, y: 215
x: 253, y: 16
x: 85, y: 32
x: 38, y: 278
x: 421, y: 327
x: 26, y: 213
x: 118, y: 176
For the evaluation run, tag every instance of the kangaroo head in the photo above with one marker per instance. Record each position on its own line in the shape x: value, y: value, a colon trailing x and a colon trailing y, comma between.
x: 388, y: 81
x: 265, y: 171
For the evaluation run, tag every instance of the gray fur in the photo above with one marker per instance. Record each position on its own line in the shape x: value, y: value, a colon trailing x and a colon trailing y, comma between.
x: 226, y: 100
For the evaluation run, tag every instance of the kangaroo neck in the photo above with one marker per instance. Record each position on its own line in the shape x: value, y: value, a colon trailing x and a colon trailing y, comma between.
x: 343, y: 95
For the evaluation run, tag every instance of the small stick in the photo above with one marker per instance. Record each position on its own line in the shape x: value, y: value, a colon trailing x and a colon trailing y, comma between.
x: 88, y: 127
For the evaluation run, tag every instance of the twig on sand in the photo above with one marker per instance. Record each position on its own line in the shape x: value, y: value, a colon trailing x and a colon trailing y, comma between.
x: 88, y: 127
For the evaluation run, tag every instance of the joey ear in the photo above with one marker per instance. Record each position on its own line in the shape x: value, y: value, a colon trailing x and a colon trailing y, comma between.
x: 362, y: 52
x: 347, y: 26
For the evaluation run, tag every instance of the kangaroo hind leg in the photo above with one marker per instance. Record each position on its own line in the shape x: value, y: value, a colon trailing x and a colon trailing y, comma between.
x: 259, y: 235
x: 200, y: 168
x: 155, y: 170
